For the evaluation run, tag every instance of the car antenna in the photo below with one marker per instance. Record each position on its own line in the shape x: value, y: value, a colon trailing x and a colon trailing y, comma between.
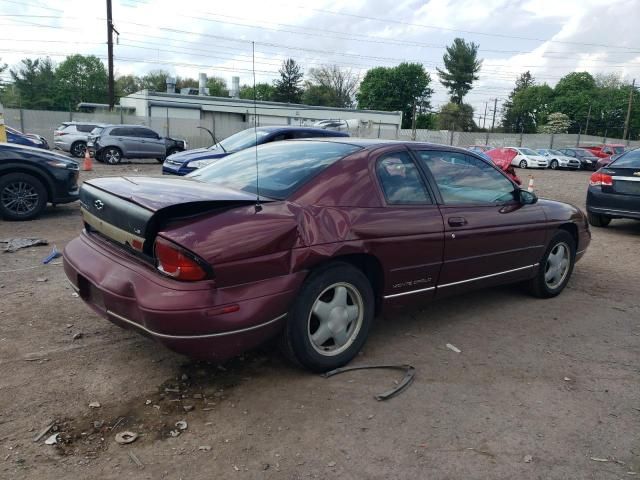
x: 255, y: 122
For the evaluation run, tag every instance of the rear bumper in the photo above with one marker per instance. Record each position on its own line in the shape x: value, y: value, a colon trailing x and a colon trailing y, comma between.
x: 184, y: 316
x: 613, y: 205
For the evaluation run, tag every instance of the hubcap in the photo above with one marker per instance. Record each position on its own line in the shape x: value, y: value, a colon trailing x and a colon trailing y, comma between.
x: 335, y: 319
x: 523, y: 164
x: 20, y: 198
x: 79, y: 150
x: 557, y: 266
x: 112, y: 156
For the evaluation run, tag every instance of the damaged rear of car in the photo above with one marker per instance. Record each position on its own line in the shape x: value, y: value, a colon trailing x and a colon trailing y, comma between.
x: 201, y: 267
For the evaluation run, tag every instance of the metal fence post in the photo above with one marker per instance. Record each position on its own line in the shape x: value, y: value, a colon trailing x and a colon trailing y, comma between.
x: 21, y: 120
x: 451, y: 132
x: 486, y: 139
x: 551, y: 141
x: 578, y: 140
x: 520, y: 139
x: 121, y: 116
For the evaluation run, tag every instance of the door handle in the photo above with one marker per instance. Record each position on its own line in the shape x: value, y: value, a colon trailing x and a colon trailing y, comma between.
x: 457, y: 221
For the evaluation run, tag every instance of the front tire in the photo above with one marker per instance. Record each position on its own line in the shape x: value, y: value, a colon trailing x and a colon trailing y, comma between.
x: 112, y: 155
x: 330, y: 319
x: 523, y: 164
x: 22, y: 196
x: 554, y: 165
x: 556, y: 266
x: 598, y: 220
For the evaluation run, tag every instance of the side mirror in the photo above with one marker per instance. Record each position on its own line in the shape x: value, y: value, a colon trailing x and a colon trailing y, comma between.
x: 527, y: 197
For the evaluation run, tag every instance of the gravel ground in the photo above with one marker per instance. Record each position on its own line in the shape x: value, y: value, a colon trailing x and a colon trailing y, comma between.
x: 541, y: 389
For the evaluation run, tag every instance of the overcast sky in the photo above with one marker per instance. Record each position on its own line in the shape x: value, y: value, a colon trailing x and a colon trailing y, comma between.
x: 548, y: 37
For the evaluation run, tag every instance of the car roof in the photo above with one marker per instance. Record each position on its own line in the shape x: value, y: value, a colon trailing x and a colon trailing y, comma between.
x: 289, y: 128
x: 373, y: 143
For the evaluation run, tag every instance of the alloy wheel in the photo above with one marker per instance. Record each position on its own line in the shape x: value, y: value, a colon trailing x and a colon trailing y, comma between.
x: 554, y: 164
x: 20, y: 198
x: 112, y: 156
x: 523, y: 164
x: 335, y: 319
x: 79, y: 149
x: 557, y: 265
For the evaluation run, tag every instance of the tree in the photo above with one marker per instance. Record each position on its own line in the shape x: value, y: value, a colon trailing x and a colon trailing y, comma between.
x: 35, y: 84
x: 289, y: 87
x: 217, y: 87
x: 81, y: 78
x: 319, y: 95
x: 511, y: 117
x: 185, y: 82
x: 458, y: 117
x: 461, y: 66
x: 557, y: 123
x: 156, y: 80
x: 426, y: 121
x: 264, y: 92
x: 396, y: 89
x: 127, y: 85
x: 337, y: 87
x: 528, y: 109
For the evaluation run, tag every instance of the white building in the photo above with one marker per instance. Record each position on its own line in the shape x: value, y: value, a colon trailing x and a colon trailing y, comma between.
x: 226, y: 116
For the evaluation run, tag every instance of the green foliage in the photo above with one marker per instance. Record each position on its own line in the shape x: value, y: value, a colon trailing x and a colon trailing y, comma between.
x: 396, y: 89
x: 35, y: 83
x: 461, y: 68
x: 426, y: 121
x: 289, y: 87
x: 556, y: 123
x: 528, y: 105
x: 331, y: 86
x: 458, y: 117
x: 127, y: 84
x: 81, y: 78
x: 156, y: 81
x: 264, y: 92
x: 217, y: 87
x: 187, y: 82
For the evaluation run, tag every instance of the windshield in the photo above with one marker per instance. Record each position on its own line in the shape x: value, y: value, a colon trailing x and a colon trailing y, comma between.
x: 628, y: 160
x: 581, y: 152
x: 241, y: 140
x: 282, y: 166
x: 555, y: 152
x: 528, y: 151
x: 618, y: 149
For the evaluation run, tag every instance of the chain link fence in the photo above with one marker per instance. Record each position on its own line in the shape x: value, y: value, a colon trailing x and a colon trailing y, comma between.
x: 44, y: 122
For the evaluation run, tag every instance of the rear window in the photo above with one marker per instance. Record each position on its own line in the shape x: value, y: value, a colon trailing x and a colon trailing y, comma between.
x: 282, y: 167
x: 85, y: 128
x: 628, y: 160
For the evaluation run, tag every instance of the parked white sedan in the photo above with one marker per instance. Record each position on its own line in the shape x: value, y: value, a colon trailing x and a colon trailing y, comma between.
x: 527, y: 158
x: 558, y: 159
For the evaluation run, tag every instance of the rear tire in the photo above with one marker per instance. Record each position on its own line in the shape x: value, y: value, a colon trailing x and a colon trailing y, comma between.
x: 523, y: 164
x: 598, y: 220
x: 22, y: 196
x: 77, y: 149
x: 555, y: 268
x: 329, y: 321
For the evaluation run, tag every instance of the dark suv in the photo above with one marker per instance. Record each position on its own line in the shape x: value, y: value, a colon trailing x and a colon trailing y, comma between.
x: 112, y: 143
x: 31, y: 177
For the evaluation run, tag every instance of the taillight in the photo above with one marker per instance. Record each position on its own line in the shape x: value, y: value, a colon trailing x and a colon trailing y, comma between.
x: 59, y: 134
x: 601, y: 179
x: 173, y: 261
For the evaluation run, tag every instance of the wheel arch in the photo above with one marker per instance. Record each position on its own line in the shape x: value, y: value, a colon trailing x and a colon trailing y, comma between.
x: 34, y: 172
x: 572, y: 230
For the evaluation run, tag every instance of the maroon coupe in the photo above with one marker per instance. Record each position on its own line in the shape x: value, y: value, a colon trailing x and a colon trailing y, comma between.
x: 216, y: 263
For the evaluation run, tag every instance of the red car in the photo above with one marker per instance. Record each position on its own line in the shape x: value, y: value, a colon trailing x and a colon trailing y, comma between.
x: 604, y: 151
x: 215, y: 263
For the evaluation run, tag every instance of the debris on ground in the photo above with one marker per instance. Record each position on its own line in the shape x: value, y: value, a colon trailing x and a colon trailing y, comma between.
x: 77, y: 336
x: 528, y: 459
x: 188, y: 408
x: 15, y: 244
x: 598, y: 459
x: 181, y: 425
x: 52, y: 440
x: 406, y: 381
x: 453, y: 348
x: 94, y: 405
x: 126, y: 437
x: 204, y: 448
x: 43, y: 432
x: 175, y: 433
x: 52, y: 255
x: 136, y: 460
x: 567, y: 379
x: 331, y: 464
x: 42, y: 279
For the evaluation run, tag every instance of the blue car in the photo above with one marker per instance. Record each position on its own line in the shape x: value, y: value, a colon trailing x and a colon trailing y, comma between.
x: 186, y: 162
x: 19, y: 138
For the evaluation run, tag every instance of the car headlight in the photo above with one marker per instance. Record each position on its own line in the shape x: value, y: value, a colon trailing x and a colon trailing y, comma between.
x: 62, y: 164
x: 198, y: 163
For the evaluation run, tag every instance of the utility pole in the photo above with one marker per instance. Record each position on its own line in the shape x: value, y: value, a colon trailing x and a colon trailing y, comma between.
x: 484, y: 121
x: 110, y: 31
x: 586, y: 127
x: 495, y: 107
x: 626, y: 122
x: 413, y: 122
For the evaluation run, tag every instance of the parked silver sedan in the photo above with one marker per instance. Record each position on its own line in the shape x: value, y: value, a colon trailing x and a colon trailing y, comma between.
x: 558, y: 159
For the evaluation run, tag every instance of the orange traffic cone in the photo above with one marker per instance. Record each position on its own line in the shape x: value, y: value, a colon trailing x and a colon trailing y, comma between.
x: 87, y: 165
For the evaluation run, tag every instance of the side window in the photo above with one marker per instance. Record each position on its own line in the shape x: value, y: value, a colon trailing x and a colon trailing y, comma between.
x: 465, y: 180
x: 401, y: 180
x: 607, y: 150
x: 85, y: 128
x: 146, y: 133
x: 119, y: 132
x: 135, y: 132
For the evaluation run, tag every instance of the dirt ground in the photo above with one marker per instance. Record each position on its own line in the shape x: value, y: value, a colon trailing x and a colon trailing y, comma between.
x: 544, y: 389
